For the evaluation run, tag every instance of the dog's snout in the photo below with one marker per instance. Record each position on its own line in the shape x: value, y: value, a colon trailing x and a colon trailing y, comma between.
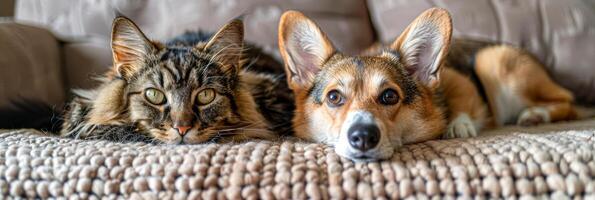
x: 363, y: 136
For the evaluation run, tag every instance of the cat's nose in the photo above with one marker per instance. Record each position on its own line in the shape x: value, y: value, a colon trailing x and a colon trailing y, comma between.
x: 182, y: 130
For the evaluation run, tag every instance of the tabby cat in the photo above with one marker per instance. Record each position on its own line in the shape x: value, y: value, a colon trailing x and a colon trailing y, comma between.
x: 189, y: 90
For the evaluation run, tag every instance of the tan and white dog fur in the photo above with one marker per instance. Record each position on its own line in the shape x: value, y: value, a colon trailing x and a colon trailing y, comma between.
x: 368, y: 105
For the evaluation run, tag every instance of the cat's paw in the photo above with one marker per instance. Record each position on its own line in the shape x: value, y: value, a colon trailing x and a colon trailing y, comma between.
x: 460, y: 127
x: 533, y: 116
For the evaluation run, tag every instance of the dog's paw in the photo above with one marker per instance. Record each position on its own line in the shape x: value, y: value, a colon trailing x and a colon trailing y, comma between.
x: 460, y: 127
x: 533, y: 116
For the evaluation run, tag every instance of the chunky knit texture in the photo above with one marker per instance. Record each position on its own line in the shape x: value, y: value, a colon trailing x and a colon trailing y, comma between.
x: 551, y: 165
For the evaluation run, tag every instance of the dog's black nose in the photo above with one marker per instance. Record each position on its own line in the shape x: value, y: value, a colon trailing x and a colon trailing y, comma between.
x: 363, y: 136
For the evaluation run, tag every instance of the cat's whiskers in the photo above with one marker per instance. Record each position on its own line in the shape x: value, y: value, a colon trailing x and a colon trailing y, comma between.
x: 236, y: 126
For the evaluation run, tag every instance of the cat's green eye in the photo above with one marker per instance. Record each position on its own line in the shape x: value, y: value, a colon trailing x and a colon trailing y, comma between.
x: 155, y: 96
x: 206, y: 96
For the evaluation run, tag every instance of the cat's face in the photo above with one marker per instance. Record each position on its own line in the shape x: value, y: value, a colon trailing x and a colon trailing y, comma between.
x: 180, y: 97
x: 181, y: 94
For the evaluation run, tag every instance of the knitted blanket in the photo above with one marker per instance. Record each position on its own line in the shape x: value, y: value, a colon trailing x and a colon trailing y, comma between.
x: 547, y: 165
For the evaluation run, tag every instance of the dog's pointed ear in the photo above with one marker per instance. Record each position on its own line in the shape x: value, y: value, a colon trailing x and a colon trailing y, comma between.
x: 227, y: 44
x: 304, y: 48
x: 129, y: 47
x: 424, y: 44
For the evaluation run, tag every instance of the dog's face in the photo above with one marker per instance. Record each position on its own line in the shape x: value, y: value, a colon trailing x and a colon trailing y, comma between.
x: 366, y: 106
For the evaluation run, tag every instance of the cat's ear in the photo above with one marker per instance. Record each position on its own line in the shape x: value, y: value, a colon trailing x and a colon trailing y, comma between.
x: 304, y: 48
x: 129, y: 47
x: 424, y: 44
x: 227, y: 44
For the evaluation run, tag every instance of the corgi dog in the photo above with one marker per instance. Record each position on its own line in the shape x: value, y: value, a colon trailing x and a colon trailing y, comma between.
x: 413, y: 89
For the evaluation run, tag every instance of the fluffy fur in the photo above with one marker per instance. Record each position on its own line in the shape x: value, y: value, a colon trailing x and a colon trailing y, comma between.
x: 206, y: 90
x: 438, y: 94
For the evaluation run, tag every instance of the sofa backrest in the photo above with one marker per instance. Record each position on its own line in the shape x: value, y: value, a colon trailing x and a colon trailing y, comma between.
x: 6, y: 8
x: 29, y: 70
x: 85, y: 25
x: 560, y: 33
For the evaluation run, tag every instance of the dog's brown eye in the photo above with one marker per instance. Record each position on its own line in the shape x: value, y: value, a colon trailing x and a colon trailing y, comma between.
x: 154, y: 96
x: 206, y: 96
x: 389, y: 97
x: 334, y: 98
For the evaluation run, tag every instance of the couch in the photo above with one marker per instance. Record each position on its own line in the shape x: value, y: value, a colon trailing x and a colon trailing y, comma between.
x: 50, y: 47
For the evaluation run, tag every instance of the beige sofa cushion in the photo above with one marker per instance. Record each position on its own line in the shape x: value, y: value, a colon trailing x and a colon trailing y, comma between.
x: 84, y: 61
x: 89, y: 21
x: 560, y: 33
x: 30, y: 65
x: 516, y: 165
